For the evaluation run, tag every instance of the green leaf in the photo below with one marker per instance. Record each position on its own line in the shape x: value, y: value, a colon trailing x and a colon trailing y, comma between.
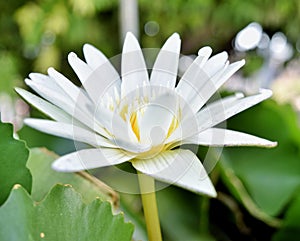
x: 61, y: 216
x: 13, y: 157
x: 44, y: 178
x: 271, y: 176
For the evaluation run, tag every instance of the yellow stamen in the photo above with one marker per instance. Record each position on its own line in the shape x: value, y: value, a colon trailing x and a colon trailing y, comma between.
x: 135, y: 125
x: 123, y: 112
x: 173, y: 126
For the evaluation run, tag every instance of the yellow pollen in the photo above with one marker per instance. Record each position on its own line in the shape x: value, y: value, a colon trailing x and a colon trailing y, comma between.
x: 173, y: 126
x: 134, y: 125
x: 123, y: 112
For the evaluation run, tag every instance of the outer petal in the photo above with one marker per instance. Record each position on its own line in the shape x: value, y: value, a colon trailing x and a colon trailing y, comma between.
x: 46, y: 81
x: 164, y: 72
x: 68, y: 131
x: 189, y: 125
x: 47, y: 108
x: 89, y: 159
x: 215, y: 83
x: 191, y: 77
x: 55, y: 96
x: 96, y: 82
x: 104, y: 79
x: 133, y: 67
x: 78, y: 95
x: 94, y: 57
x: 70, y: 89
x: 200, y: 83
x: 190, y: 82
x: 82, y: 70
x: 215, y: 113
x: 223, y: 137
x: 66, y: 104
x: 178, y: 167
x: 215, y: 64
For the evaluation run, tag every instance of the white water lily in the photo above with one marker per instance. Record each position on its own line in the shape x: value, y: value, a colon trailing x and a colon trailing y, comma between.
x: 140, y: 118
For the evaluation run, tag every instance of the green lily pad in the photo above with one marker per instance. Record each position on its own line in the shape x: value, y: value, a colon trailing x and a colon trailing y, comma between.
x: 61, y: 216
x: 271, y: 176
x: 13, y: 157
x: 44, y: 178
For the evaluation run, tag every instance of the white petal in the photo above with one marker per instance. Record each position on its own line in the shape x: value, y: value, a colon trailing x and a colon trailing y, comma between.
x: 156, y: 120
x: 223, y: 137
x: 47, y: 108
x: 77, y: 95
x: 68, y: 131
x: 192, y: 80
x: 78, y: 111
x: 89, y: 159
x: 70, y: 89
x: 214, y: 114
x: 215, y: 64
x: 53, y: 95
x: 164, y: 72
x: 133, y: 67
x: 199, y: 84
x: 46, y: 81
x: 204, y: 54
x: 82, y: 70
x: 104, y: 79
x: 194, y: 69
x: 178, y: 167
x: 212, y: 85
x: 93, y: 56
x: 65, y: 92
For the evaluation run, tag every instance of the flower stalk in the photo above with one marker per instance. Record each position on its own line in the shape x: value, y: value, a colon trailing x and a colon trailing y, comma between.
x: 147, y: 188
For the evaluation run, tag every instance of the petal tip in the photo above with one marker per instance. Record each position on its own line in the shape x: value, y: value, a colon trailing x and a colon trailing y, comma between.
x: 130, y: 43
x: 272, y: 144
x: 27, y: 81
x: 213, y: 194
x: 56, y: 165
x: 239, y: 95
x: 18, y: 90
x: 129, y: 35
x: 63, y: 164
x: 266, y: 92
x: 71, y: 56
x: 87, y: 48
x: 224, y: 54
x: 51, y: 71
x: 204, y: 51
x: 175, y: 35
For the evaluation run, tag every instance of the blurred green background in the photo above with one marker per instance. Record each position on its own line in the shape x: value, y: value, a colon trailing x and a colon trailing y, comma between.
x: 258, y: 188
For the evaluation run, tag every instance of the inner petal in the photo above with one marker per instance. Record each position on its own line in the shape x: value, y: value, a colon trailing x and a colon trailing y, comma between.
x: 158, y: 114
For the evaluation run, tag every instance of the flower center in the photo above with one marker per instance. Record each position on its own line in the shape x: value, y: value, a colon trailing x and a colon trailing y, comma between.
x: 151, y: 116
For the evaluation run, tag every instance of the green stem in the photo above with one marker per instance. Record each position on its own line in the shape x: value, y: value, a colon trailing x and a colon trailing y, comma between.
x: 147, y: 188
